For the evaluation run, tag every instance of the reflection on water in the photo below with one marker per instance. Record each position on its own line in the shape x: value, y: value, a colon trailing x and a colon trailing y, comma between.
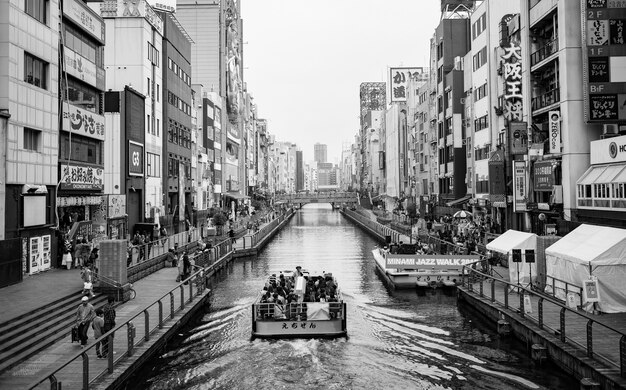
x: 397, y: 339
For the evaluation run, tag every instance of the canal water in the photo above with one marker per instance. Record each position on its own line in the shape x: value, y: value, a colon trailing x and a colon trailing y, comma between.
x: 397, y: 339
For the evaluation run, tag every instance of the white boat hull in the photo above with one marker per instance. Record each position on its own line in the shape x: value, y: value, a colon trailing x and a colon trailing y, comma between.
x: 402, y: 279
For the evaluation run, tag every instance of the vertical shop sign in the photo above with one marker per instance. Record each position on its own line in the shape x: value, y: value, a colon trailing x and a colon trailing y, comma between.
x: 519, y: 137
x: 554, y: 122
x: 604, y: 60
x: 512, y: 72
x: 520, y: 189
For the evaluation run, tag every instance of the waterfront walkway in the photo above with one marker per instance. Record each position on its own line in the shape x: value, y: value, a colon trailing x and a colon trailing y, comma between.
x: 149, y: 289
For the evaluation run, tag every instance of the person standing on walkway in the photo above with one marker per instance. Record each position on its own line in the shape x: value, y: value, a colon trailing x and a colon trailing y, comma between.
x: 86, y: 275
x: 181, y: 267
x: 163, y: 235
x: 186, y: 267
x: 67, y: 253
x: 109, y: 323
x: 98, y: 328
x: 84, y: 314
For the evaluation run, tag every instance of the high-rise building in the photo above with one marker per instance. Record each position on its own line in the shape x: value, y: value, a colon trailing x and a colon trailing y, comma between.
x: 299, y: 171
x: 319, y: 153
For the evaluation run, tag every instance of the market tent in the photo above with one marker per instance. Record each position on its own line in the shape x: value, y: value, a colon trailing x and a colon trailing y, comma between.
x: 513, y: 239
x: 587, y: 251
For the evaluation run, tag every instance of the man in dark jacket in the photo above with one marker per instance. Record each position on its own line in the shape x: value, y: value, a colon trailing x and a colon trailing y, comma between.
x: 109, y: 323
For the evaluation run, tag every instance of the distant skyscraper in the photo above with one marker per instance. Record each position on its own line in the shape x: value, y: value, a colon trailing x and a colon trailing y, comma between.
x: 319, y: 153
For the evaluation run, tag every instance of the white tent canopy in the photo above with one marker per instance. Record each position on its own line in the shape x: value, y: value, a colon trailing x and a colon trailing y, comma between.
x: 513, y: 239
x: 588, y: 251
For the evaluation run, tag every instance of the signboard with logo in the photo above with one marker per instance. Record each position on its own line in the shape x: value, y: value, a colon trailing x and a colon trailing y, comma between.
x: 604, y: 60
x: 429, y: 261
x: 133, y: 9
x: 135, y: 159
x: 79, y: 13
x: 65, y: 201
x: 519, y: 137
x: 520, y: 189
x: 512, y: 73
x: 554, y: 124
x: 543, y: 173
x: 82, y: 122
x: 81, y: 177
x: 80, y: 67
x: 398, y: 80
x: 608, y: 150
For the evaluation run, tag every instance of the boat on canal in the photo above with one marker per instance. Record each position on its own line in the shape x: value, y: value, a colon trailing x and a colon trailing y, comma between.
x: 301, y: 317
x: 410, y: 266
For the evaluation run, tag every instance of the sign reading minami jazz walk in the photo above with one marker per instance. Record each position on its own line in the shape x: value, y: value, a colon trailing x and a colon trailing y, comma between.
x: 429, y: 261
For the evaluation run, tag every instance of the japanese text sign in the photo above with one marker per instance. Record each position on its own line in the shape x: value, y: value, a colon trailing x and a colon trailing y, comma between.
x: 398, y: 80
x: 512, y: 73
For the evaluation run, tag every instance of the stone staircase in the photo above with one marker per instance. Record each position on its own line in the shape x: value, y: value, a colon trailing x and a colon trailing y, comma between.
x: 24, y: 336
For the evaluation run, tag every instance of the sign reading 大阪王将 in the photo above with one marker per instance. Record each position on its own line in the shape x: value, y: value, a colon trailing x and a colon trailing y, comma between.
x: 428, y: 261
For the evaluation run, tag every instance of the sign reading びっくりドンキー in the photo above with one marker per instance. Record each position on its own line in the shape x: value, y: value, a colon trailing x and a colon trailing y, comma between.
x: 428, y: 261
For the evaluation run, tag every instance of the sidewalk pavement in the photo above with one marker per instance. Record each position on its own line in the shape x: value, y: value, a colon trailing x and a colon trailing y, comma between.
x: 38, y: 290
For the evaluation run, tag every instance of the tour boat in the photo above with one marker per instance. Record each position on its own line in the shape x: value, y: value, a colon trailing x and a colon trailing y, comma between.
x: 300, y: 319
x: 404, y: 266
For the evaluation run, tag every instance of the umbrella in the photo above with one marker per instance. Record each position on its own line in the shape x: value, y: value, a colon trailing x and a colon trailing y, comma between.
x: 462, y: 214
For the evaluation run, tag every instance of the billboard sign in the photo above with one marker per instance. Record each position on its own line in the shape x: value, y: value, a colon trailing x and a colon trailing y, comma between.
x: 604, y: 60
x: 398, y: 80
x: 81, y: 177
x: 135, y: 159
x: 519, y: 137
x: 83, y: 122
x: 512, y: 73
x: 543, y: 173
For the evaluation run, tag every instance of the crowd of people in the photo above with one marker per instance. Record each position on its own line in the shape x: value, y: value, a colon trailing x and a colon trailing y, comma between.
x: 101, y: 320
x: 281, y: 292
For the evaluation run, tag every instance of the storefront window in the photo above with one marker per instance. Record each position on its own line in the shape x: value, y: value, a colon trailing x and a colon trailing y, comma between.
x: 84, y: 149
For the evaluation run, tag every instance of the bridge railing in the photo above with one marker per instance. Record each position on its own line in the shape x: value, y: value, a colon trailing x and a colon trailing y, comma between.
x: 598, y: 340
x: 330, y: 196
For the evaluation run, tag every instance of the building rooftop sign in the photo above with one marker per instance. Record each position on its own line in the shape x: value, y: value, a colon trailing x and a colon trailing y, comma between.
x: 131, y: 9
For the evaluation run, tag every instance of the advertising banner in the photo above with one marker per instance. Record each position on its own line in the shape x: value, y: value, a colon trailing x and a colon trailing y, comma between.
x: 81, y: 177
x: 543, y: 173
x: 135, y: 159
x: 398, y: 80
x: 554, y: 124
x: 80, y: 67
x: 519, y: 137
x: 116, y: 206
x: 520, y: 199
x: 82, y: 122
x: 512, y: 73
x: 429, y: 261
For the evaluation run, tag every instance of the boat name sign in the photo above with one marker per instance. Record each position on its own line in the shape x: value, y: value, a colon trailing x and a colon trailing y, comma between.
x: 433, y: 261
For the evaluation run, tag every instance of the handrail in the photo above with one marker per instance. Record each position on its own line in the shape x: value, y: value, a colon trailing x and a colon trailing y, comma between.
x: 541, y: 319
x: 50, y: 374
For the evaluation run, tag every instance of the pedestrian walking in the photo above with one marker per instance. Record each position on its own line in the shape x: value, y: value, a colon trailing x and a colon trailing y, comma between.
x: 108, y: 311
x: 87, y: 277
x: 67, y: 253
x: 186, y: 267
x: 231, y: 234
x: 84, y: 315
x: 181, y: 268
x: 163, y: 235
x: 98, y: 330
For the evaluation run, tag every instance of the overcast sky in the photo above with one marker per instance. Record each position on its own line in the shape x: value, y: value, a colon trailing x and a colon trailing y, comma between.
x: 304, y: 61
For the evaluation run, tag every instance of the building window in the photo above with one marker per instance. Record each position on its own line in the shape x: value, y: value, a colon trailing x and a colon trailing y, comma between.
x: 480, y: 92
x: 153, y: 165
x: 169, y: 63
x: 37, y: 9
x: 158, y: 127
x: 31, y: 139
x: 148, y: 124
x: 84, y: 149
x: 480, y: 123
x: 83, y: 96
x: 158, y: 92
x: 35, y: 71
x: 479, y: 58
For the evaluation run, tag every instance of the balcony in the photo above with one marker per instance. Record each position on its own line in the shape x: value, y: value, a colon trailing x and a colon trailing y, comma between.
x: 546, y: 99
x: 544, y: 52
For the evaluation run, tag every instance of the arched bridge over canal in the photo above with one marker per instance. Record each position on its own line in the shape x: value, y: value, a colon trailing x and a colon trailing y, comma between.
x: 334, y: 198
